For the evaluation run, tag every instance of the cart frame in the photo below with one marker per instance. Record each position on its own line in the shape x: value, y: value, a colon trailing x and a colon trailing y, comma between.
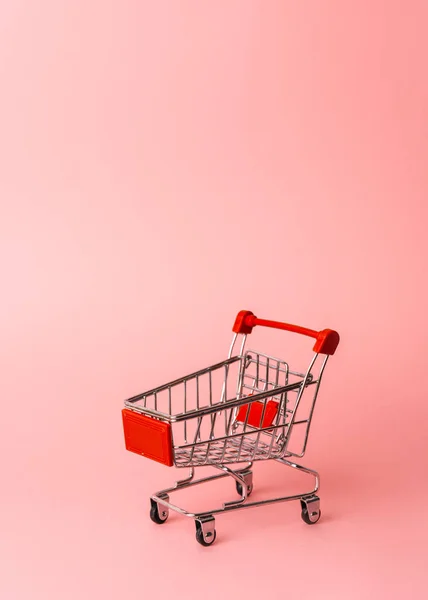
x: 241, y: 433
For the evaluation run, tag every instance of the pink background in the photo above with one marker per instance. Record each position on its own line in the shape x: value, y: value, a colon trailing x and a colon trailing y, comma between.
x: 163, y: 165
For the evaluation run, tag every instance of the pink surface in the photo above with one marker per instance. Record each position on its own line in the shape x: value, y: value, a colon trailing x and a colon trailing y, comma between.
x: 164, y: 165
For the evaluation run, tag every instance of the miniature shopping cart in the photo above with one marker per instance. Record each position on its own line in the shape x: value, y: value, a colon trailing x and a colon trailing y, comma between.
x: 236, y: 412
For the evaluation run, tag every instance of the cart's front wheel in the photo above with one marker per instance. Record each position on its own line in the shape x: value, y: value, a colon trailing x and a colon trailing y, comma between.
x: 205, y: 531
x: 204, y: 541
x: 158, y: 512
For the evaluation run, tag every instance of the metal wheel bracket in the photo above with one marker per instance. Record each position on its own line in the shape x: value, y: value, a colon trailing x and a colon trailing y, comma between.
x: 206, y: 525
x: 312, y: 505
x: 163, y: 510
x: 247, y: 477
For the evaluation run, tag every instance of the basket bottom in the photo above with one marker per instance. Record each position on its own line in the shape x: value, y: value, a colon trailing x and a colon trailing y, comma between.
x: 229, y: 451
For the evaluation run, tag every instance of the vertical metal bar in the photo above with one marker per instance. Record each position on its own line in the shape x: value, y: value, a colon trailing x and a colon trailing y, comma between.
x: 244, y: 429
x: 257, y: 371
x: 244, y: 339
x: 274, y: 431
x: 213, y: 416
x: 267, y: 373
x: 156, y: 401
x: 197, y: 391
x: 317, y: 385
x: 224, y: 390
x: 265, y: 401
x: 224, y: 393
x: 277, y: 420
x: 213, y: 420
x: 185, y: 410
x: 198, y: 428
x: 224, y: 400
x: 229, y: 421
x: 235, y: 335
x: 299, y: 397
x: 169, y: 401
x: 225, y: 442
x: 241, y: 375
x: 265, y: 386
x: 284, y: 409
x: 243, y: 363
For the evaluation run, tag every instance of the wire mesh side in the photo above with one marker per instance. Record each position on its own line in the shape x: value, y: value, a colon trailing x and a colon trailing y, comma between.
x: 205, y: 388
x: 223, y: 414
x: 234, y: 436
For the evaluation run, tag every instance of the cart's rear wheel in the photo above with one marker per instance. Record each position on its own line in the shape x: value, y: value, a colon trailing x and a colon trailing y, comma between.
x: 307, y: 518
x: 205, y: 531
x: 248, y: 480
x: 239, y: 489
x: 158, y: 512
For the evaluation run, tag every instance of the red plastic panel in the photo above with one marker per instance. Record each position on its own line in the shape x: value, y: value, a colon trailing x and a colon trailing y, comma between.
x: 256, y: 410
x: 148, y: 437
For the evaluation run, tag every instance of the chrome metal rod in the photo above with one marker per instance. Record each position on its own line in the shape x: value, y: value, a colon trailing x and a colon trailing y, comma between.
x: 237, y: 505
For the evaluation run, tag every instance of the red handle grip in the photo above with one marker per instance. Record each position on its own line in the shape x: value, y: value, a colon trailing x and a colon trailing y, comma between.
x: 327, y: 340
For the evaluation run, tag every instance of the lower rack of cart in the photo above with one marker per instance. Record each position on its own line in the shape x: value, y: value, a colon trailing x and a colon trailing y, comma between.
x: 205, y: 521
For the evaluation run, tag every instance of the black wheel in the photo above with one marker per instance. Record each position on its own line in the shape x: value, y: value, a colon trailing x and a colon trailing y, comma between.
x: 207, y: 541
x: 306, y: 519
x: 157, y: 517
x: 239, y: 489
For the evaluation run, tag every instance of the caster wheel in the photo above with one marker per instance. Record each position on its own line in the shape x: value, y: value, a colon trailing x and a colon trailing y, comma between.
x: 310, y: 520
x: 205, y: 532
x: 248, y: 479
x: 158, y: 513
x: 311, y: 512
x: 239, y: 489
x: 204, y: 541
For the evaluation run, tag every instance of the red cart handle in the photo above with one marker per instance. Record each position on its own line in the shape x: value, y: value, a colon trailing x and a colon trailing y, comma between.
x: 327, y: 340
